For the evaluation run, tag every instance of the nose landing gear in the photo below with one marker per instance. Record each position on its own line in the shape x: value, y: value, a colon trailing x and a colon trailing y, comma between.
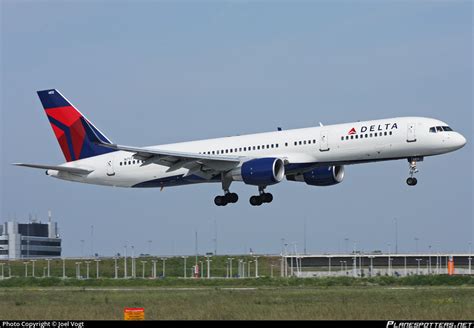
x: 412, y: 181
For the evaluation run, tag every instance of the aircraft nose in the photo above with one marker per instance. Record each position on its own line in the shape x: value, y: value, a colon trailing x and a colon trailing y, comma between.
x: 459, y: 140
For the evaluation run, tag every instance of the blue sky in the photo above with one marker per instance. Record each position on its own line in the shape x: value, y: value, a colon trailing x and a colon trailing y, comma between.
x: 154, y: 72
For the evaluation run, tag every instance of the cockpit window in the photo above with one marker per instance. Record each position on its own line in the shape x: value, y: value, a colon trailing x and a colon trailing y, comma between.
x: 447, y: 128
x: 439, y: 129
x: 433, y: 129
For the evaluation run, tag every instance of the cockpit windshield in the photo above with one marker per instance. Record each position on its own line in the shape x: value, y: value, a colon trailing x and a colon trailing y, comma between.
x: 435, y: 129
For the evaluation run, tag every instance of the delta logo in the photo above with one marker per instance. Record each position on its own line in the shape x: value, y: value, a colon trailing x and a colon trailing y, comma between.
x: 374, y: 128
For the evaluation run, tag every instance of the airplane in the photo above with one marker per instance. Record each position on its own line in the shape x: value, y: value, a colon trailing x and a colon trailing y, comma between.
x: 316, y: 156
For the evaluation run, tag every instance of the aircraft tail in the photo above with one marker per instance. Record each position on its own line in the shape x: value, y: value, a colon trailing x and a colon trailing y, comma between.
x: 76, y: 135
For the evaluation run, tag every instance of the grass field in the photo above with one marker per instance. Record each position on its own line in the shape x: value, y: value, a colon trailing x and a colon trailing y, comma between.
x: 434, y: 303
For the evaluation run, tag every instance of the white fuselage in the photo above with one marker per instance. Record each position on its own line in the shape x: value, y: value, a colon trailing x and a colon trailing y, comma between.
x: 350, y: 143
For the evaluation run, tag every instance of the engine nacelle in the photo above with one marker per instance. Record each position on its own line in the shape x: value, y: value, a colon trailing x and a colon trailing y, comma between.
x: 260, y: 172
x: 321, y: 176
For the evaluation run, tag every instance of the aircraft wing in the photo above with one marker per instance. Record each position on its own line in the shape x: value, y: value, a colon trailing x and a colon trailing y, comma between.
x: 175, y: 160
x: 73, y: 170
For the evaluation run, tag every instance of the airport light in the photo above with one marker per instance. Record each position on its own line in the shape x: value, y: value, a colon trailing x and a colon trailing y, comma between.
x: 230, y: 265
x: 87, y: 269
x: 26, y: 268
x: 78, y: 270
x: 371, y: 265
x: 208, y: 266
x: 33, y: 268
x: 143, y: 269
x: 125, y: 262
x: 470, y: 257
x: 154, y: 268
x: 405, y: 263
x: 164, y: 266
x: 115, y: 267
x: 133, y: 262
x: 429, y: 260
x: 256, y: 266
x: 97, y: 267
x: 418, y: 268
x: 184, y: 258
x: 49, y: 266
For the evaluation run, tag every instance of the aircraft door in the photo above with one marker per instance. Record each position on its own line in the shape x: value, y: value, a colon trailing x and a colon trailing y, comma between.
x: 324, y: 142
x: 110, y: 168
x: 411, y: 135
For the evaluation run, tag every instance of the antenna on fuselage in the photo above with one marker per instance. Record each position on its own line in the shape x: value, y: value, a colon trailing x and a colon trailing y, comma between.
x: 321, y: 124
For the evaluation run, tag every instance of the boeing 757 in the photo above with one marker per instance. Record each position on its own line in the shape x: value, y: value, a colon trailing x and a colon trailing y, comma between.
x: 316, y: 156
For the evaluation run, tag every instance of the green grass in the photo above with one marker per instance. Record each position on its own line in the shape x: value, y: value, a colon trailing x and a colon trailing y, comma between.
x: 426, y: 303
x: 436, y: 280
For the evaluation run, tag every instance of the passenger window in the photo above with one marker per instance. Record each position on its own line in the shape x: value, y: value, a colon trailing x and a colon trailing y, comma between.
x: 129, y: 162
x: 385, y: 133
x: 268, y: 146
x: 347, y: 137
x: 299, y: 143
x: 342, y: 138
x: 296, y: 143
x: 258, y: 147
x: 366, y: 135
x: 286, y: 144
x: 390, y: 133
x: 276, y: 145
x: 357, y: 136
x: 352, y: 137
x: 371, y: 135
x: 375, y: 133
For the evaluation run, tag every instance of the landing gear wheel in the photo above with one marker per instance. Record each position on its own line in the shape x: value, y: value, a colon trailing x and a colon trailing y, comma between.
x: 220, y: 201
x: 231, y: 197
x: 267, y: 197
x: 256, y: 200
x: 412, y: 181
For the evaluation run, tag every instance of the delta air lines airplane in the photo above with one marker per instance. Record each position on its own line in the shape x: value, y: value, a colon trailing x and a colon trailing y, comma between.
x: 315, y: 156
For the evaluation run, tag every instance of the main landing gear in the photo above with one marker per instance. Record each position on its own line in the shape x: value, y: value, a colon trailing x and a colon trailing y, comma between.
x: 263, y: 197
x: 412, y: 181
x: 229, y: 197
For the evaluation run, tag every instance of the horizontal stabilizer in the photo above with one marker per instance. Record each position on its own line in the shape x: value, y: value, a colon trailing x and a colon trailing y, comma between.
x: 73, y: 170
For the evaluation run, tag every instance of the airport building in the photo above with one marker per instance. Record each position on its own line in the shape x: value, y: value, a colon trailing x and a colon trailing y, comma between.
x: 376, y: 264
x: 29, y: 240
